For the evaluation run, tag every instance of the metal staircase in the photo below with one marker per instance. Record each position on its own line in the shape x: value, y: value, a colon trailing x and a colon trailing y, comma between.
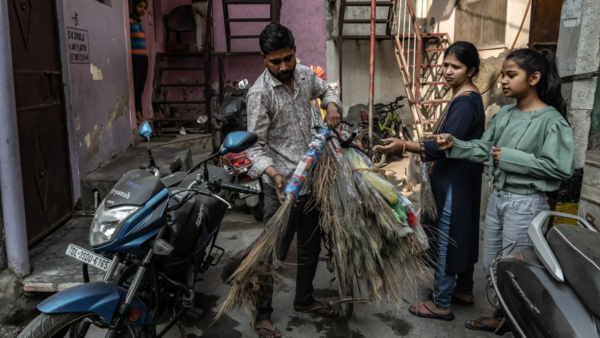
x: 187, y: 74
x: 274, y: 9
x: 419, y: 56
x: 345, y: 5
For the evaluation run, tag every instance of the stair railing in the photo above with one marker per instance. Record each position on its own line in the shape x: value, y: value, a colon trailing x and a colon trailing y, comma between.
x: 407, y: 34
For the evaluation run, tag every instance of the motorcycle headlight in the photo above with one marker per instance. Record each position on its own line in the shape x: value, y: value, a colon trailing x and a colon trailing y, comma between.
x: 107, y: 223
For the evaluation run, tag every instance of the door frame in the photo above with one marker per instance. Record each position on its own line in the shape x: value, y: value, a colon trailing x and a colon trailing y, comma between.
x: 67, y: 108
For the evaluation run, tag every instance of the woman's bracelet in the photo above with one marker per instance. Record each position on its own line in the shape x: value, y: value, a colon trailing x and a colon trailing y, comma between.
x: 278, y: 174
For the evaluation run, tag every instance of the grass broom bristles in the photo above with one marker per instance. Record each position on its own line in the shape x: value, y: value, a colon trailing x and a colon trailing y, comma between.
x: 371, y: 246
x: 428, y: 205
x: 259, y: 269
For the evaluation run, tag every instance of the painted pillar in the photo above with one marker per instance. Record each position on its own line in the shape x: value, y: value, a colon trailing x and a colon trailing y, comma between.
x: 11, y: 184
x: 577, y: 54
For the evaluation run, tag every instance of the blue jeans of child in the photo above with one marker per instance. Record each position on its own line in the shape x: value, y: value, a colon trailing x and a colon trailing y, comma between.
x: 445, y: 282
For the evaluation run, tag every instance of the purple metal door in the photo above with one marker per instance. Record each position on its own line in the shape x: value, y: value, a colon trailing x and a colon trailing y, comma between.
x: 41, y: 115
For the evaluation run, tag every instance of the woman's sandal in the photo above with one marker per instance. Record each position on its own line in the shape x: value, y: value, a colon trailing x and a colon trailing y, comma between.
x: 271, y: 329
x: 315, y: 310
x: 469, y: 324
x: 429, y: 314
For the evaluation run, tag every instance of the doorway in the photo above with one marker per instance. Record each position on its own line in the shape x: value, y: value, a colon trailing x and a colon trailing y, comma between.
x: 39, y: 94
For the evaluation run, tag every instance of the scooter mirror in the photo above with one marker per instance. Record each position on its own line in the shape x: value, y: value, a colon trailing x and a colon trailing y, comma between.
x: 202, y: 119
x: 238, y: 141
x: 145, y: 129
x: 243, y: 84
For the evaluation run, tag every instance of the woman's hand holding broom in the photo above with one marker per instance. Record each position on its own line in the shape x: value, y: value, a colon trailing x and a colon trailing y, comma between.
x: 442, y: 141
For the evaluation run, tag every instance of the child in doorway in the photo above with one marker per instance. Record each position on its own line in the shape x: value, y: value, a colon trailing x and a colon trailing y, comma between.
x: 529, y: 146
x: 139, y: 54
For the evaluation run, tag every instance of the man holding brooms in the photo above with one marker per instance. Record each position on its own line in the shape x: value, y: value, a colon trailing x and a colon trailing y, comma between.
x: 279, y: 112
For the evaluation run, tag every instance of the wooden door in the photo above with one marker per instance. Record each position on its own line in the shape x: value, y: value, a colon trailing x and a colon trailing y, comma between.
x: 41, y: 115
x: 545, y: 24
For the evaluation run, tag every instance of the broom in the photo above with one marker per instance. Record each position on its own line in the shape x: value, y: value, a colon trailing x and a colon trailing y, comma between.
x: 259, y: 269
x: 428, y: 205
x: 402, y: 236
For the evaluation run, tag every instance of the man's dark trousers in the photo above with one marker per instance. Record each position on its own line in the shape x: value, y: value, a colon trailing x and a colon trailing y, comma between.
x: 304, y: 223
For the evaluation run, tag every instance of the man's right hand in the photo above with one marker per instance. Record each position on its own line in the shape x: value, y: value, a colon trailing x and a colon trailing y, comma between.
x: 280, y: 183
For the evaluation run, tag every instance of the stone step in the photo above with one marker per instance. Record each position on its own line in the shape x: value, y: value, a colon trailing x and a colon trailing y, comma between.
x: 104, y: 178
x: 197, y: 143
x: 592, y: 158
x: 53, y: 271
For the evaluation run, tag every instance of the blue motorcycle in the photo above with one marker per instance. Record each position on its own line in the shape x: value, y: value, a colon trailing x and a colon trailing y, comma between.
x: 152, y: 236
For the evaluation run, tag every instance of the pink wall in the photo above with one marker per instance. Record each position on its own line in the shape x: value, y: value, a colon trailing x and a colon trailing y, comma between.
x: 305, y: 18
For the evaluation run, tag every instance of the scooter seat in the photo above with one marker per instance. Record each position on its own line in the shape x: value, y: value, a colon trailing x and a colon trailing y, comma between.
x: 577, y: 250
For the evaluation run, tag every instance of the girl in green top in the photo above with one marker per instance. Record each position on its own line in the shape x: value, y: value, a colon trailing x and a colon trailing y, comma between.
x: 529, y: 147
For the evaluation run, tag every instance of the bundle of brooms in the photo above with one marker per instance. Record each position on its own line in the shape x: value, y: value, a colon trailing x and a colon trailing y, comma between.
x: 374, y: 233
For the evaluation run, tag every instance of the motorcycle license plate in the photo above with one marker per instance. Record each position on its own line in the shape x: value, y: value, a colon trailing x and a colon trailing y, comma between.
x: 255, y: 184
x: 88, y: 257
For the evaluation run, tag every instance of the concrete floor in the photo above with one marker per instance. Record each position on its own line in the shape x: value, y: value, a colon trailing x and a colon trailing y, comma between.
x: 370, y: 320
x: 238, y: 231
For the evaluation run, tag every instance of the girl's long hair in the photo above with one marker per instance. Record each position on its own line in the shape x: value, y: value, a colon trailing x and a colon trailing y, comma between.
x: 544, y: 62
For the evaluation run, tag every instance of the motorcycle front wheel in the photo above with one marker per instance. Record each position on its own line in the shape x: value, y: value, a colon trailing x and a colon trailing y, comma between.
x: 73, y: 325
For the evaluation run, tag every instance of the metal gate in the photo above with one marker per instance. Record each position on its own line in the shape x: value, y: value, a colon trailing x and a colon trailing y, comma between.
x: 40, y: 114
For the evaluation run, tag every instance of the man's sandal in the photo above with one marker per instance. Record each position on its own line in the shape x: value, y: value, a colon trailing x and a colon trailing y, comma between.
x: 315, y: 310
x: 272, y: 329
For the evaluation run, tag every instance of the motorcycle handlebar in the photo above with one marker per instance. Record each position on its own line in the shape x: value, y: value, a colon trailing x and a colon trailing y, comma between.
x: 238, y: 189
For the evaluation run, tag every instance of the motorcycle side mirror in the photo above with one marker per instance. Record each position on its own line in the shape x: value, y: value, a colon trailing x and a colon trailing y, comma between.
x: 243, y: 84
x: 145, y: 130
x: 238, y: 141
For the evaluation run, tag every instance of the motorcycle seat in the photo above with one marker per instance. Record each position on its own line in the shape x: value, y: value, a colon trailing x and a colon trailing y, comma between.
x: 577, y: 250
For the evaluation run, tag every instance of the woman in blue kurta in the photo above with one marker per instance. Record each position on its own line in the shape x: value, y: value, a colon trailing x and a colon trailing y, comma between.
x: 456, y: 185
